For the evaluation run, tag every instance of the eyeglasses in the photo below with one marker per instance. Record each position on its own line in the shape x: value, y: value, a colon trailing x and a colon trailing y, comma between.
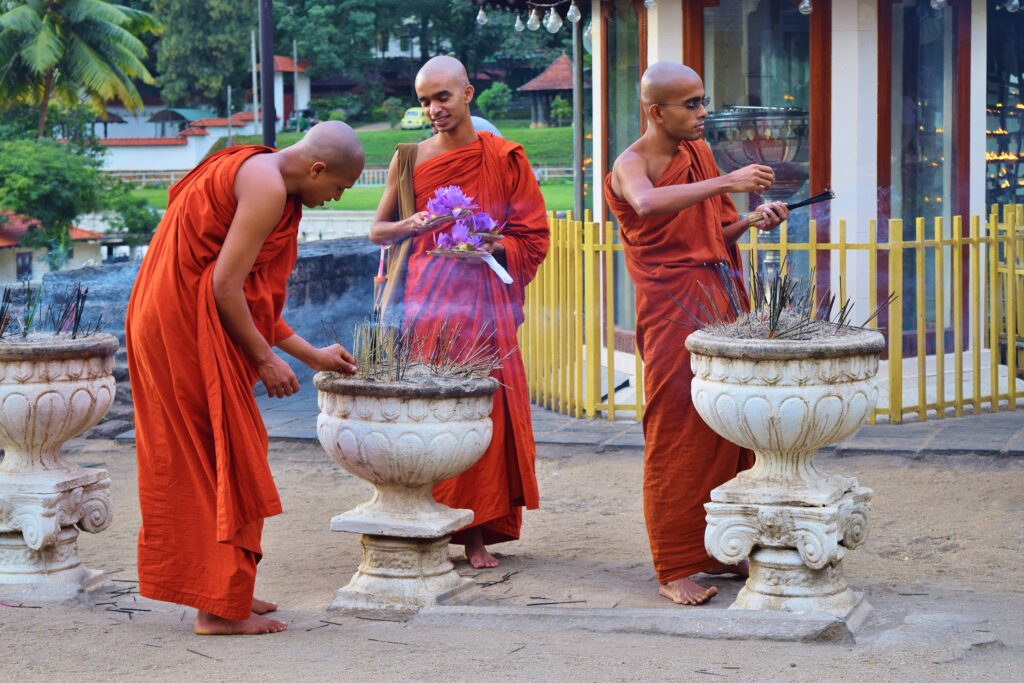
x: 692, y: 105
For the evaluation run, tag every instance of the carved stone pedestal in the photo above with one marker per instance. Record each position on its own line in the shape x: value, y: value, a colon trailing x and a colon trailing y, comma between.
x: 784, y: 399
x: 403, y: 438
x: 50, y: 391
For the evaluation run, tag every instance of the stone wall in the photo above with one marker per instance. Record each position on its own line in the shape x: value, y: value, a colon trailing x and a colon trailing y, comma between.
x: 332, y: 283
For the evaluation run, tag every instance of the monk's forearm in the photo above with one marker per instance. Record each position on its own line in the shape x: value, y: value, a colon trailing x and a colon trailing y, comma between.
x: 675, y: 198
x: 735, y: 231
x: 237, y: 320
x: 387, y: 232
x: 298, y: 348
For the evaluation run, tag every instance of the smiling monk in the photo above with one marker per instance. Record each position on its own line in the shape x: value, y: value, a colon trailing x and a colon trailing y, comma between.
x: 679, y: 228
x: 497, y: 174
x: 203, y: 317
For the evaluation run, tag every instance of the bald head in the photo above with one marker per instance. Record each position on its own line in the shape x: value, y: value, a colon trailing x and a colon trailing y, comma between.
x: 334, y: 143
x: 667, y: 82
x: 444, y: 69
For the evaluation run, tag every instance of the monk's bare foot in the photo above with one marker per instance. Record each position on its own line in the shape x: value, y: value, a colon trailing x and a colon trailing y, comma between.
x: 263, y: 606
x: 687, y: 592
x: 477, y: 554
x: 211, y: 625
x: 742, y: 569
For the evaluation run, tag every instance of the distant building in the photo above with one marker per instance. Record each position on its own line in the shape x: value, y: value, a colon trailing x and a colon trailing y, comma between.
x: 24, y: 264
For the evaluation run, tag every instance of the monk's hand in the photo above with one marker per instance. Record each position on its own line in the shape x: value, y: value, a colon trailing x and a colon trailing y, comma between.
x: 334, y: 357
x: 277, y: 377
x: 774, y: 214
x: 493, y: 247
x: 755, y: 178
x: 417, y: 223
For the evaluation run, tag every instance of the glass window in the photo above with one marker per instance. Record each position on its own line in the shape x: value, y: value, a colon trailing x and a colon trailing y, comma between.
x: 1004, y: 125
x: 623, y: 128
x: 757, y: 74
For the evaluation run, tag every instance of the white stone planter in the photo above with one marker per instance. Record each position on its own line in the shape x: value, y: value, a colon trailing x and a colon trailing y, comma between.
x: 404, y: 438
x: 52, y: 389
x: 784, y: 399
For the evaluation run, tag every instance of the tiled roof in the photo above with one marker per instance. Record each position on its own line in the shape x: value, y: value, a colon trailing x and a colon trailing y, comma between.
x: 15, y: 226
x: 194, y: 130
x: 558, y: 76
x: 143, y: 142
x: 282, y: 63
x: 239, y: 119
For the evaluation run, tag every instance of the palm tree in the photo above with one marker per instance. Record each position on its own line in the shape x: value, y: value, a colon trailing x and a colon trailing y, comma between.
x: 65, y: 49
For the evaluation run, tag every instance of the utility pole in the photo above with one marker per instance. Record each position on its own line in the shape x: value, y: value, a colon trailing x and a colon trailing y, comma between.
x: 255, y: 85
x: 231, y: 141
x: 295, y: 84
x: 267, y: 71
x: 578, y: 177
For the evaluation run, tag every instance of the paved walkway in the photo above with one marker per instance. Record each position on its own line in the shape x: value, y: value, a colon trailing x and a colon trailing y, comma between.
x: 992, y: 434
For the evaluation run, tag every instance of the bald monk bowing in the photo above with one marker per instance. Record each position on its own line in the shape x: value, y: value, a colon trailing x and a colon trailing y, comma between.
x: 497, y: 174
x: 203, y: 317
x: 679, y: 228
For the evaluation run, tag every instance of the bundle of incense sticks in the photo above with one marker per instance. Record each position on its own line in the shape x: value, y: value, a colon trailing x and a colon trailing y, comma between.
x: 758, y: 216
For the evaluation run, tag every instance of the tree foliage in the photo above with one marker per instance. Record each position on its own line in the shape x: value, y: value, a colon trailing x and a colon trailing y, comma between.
x: 561, y: 110
x: 205, y: 48
x: 52, y: 183
x: 65, y: 49
x: 495, y: 101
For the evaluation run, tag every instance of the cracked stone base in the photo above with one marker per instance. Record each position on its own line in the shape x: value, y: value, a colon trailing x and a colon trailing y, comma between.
x: 53, y: 574
x: 405, y: 574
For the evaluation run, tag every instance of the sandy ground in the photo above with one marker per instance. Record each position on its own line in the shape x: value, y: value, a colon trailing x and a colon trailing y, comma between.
x: 941, y: 566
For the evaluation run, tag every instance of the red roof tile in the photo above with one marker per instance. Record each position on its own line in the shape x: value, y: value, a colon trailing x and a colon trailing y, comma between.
x: 194, y: 130
x: 558, y: 76
x: 239, y: 119
x: 143, y: 142
x: 285, y: 64
x: 15, y: 227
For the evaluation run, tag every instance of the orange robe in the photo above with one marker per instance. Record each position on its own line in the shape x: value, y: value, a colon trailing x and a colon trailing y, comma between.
x: 204, y: 482
x: 683, y: 458
x: 497, y: 173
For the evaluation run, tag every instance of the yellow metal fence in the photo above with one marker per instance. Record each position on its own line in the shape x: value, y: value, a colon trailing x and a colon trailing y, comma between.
x: 964, y: 348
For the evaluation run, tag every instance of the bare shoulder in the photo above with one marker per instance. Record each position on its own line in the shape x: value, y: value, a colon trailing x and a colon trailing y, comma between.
x: 427, y: 150
x: 631, y: 160
x: 260, y: 176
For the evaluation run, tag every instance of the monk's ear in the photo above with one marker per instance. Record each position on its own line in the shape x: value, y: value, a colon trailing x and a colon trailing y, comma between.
x: 317, y: 168
x: 654, y: 113
x: 470, y: 90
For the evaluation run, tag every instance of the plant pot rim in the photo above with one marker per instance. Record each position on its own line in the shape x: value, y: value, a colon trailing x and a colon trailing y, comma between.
x: 857, y: 343
x: 46, y: 347
x: 427, y: 387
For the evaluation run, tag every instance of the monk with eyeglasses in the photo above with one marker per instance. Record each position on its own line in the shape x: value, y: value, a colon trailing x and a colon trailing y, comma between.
x: 680, y: 228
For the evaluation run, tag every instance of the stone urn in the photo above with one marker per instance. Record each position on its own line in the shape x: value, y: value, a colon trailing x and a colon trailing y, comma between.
x: 52, y: 388
x: 404, y: 437
x: 784, y: 399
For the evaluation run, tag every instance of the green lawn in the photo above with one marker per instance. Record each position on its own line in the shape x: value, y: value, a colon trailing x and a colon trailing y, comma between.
x: 547, y: 146
x: 556, y: 197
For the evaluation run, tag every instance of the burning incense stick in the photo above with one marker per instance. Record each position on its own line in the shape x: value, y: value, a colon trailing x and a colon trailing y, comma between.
x: 757, y: 216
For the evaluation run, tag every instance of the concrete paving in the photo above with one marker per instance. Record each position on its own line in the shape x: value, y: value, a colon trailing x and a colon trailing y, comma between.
x: 998, y: 434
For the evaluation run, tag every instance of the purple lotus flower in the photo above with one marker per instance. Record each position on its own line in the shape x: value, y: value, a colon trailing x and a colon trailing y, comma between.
x: 450, y: 200
x: 481, y: 222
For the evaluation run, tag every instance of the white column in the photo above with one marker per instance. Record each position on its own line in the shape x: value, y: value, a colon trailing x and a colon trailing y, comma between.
x: 302, y: 95
x: 597, y: 128
x: 979, y: 68
x: 279, y: 99
x: 665, y: 32
x: 854, y: 137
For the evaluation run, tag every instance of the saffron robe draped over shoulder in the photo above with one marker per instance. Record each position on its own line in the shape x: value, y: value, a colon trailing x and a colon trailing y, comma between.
x: 204, y: 482
x: 497, y: 174
x: 683, y: 458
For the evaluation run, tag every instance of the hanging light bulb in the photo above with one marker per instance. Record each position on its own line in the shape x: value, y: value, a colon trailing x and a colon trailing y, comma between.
x: 1012, y: 5
x: 588, y: 37
x: 574, y: 15
x: 938, y: 4
x: 481, y: 17
x: 520, y: 26
x: 533, y: 23
x: 805, y: 7
x: 650, y: 4
x: 554, y: 22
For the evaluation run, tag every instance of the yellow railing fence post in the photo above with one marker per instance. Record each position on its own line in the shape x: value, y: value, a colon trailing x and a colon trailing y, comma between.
x: 940, y: 325
x: 592, y: 318
x: 994, y: 314
x: 976, y: 292
x: 609, y: 314
x: 957, y: 291
x: 577, y: 255
x: 1010, y: 288
x: 896, y: 322
x: 921, y: 317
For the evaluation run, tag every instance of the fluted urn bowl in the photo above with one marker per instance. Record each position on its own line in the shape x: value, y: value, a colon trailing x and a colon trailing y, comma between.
x: 52, y: 388
x: 784, y: 399
x: 403, y: 438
